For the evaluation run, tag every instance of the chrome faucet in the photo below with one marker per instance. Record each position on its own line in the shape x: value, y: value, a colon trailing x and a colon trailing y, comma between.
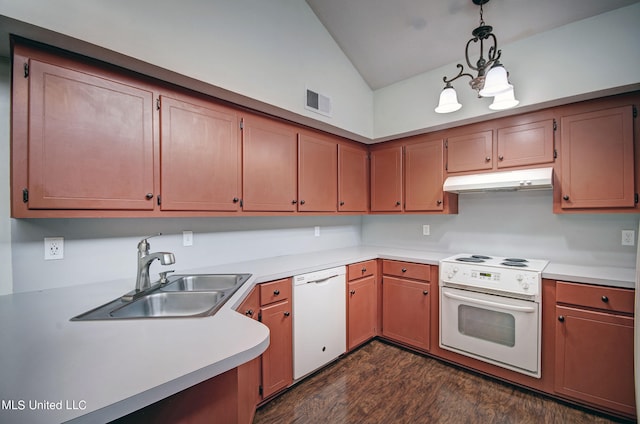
x: 143, y: 282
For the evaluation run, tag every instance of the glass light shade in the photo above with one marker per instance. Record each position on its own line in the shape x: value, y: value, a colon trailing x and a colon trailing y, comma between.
x: 448, y: 101
x: 504, y: 101
x: 496, y: 82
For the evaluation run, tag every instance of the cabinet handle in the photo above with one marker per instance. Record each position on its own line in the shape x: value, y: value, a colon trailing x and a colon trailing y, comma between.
x: 287, y: 313
x: 302, y: 202
x: 404, y: 269
x: 425, y: 292
x: 352, y: 292
x: 487, y: 159
x: 364, y: 270
x: 341, y: 203
x: 398, y: 203
x: 249, y: 312
x: 293, y: 202
x: 500, y: 157
x: 236, y: 200
x: 565, y: 197
x: 276, y: 292
x: 605, y: 299
x: 149, y: 196
x: 561, y: 318
x: 439, y: 202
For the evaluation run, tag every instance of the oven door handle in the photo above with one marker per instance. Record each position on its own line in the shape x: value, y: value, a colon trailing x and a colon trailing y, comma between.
x: 489, y: 303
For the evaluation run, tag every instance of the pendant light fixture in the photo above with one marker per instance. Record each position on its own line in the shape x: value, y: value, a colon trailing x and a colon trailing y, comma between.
x: 491, y: 79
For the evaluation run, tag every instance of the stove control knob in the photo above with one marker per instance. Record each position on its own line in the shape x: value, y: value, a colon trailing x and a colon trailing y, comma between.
x: 525, y: 285
x: 519, y: 277
x: 450, y: 275
x: 455, y: 269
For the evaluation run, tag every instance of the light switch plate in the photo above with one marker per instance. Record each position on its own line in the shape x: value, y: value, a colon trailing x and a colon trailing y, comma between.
x: 316, y: 231
x: 426, y: 230
x: 187, y: 238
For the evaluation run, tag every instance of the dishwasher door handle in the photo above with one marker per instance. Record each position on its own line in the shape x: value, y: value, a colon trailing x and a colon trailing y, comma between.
x: 323, y: 280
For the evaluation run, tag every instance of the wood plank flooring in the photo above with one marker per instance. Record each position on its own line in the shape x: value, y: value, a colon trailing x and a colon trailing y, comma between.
x: 382, y: 383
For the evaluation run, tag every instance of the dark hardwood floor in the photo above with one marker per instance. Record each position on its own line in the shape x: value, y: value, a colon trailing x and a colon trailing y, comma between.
x: 382, y: 383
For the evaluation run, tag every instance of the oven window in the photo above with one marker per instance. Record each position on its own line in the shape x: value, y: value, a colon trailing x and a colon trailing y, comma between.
x: 485, y: 324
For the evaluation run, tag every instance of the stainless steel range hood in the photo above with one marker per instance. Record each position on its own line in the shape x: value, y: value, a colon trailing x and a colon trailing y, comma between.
x: 524, y: 179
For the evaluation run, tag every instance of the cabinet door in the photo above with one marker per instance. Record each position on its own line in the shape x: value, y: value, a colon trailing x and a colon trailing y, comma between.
x: 353, y: 173
x: 200, y: 156
x: 277, y: 360
x: 361, y: 302
x: 405, y: 311
x: 597, y: 159
x: 386, y: 180
x: 424, y: 171
x: 594, y: 358
x: 317, y: 174
x: 526, y: 144
x: 471, y: 152
x: 90, y: 141
x: 269, y: 166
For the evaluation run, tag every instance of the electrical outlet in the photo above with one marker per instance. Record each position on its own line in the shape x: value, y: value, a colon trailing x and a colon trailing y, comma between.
x: 316, y: 231
x: 187, y: 238
x: 53, y: 248
x: 628, y: 237
x: 426, y: 230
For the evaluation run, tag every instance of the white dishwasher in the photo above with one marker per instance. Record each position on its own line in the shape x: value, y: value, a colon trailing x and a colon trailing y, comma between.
x: 319, y: 319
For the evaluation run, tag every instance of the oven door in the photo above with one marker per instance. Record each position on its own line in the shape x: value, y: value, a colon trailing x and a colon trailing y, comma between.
x: 495, y: 329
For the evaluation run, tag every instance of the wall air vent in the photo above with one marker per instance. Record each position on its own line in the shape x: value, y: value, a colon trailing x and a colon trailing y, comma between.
x: 318, y: 103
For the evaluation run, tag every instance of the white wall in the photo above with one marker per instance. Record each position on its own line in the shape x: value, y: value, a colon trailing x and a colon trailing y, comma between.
x: 106, y: 249
x: 266, y: 50
x: 5, y: 222
x: 514, y: 223
x: 588, y: 56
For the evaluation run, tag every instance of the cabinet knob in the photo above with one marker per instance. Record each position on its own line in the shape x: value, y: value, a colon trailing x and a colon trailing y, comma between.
x: 487, y: 159
x: 565, y: 197
x: 352, y: 292
x: 249, y: 312
x: 605, y: 299
x: 287, y: 313
x: 302, y: 202
x: 398, y: 203
x: 439, y: 202
x: 404, y: 269
x: 293, y: 202
x: 425, y: 292
x: 500, y: 157
x: 149, y: 196
x: 341, y: 203
x: 276, y: 292
x: 236, y: 200
x: 561, y: 318
x: 364, y: 270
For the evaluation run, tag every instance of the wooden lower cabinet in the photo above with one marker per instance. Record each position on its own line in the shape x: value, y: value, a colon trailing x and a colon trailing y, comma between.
x: 362, y: 298
x: 406, y: 303
x: 277, y: 360
x: 594, y: 348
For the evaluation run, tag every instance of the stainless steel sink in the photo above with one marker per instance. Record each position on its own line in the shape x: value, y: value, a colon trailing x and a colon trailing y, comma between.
x: 184, y: 296
x: 205, y: 282
x: 171, y: 304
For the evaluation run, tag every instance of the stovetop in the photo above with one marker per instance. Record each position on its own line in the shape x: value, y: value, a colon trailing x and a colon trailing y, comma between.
x: 509, y: 262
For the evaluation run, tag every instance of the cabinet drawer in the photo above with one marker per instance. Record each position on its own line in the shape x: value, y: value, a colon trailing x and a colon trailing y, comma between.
x: 407, y: 270
x: 275, y: 291
x: 361, y: 269
x: 607, y: 298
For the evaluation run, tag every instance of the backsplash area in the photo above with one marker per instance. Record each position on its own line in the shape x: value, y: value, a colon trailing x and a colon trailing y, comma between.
x: 106, y: 249
x: 511, y: 224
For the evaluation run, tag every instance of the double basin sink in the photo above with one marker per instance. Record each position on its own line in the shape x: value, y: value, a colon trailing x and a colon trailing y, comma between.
x: 185, y: 296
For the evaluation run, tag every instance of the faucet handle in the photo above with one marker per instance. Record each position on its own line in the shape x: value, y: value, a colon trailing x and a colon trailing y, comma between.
x: 143, y: 245
x: 163, y: 276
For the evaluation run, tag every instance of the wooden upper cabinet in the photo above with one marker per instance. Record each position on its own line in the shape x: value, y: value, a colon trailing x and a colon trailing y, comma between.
x: 424, y: 173
x: 386, y: 179
x: 269, y: 170
x: 470, y: 152
x: 90, y: 140
x: 597, y: 159
x: 317, y: 173
x: 353, y: 175
x: 200, y: 150
x: 526, y: 144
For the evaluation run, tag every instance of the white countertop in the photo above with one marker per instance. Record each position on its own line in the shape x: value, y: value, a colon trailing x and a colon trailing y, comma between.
x: 96, y: 371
